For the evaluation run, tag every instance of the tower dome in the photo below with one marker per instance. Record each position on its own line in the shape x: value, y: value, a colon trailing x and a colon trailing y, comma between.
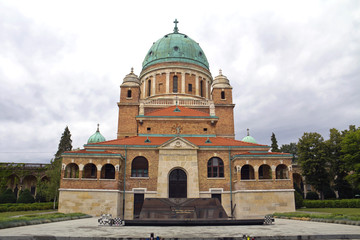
x: 131, y: 79
x: 175, y: 47
x: 96, y: 137
x: 249, y: 138
x: 221, y: 81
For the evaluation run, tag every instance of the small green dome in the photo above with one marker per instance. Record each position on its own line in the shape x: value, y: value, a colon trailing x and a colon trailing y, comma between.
x: 96, y: 137
x: 175, y: 47
x: 249, y: 138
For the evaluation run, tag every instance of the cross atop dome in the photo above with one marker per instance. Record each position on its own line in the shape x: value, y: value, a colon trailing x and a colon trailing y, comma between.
x: 176, y: 29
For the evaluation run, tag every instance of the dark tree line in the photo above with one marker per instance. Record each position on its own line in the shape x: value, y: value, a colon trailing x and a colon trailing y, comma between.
x: 332, y: 164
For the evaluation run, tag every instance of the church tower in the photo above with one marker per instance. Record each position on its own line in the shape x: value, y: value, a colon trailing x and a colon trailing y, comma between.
x: 128, y: 106
x: 222, y: 96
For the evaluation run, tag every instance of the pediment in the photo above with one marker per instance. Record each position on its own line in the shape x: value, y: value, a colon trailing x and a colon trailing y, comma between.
x: 178, y: 143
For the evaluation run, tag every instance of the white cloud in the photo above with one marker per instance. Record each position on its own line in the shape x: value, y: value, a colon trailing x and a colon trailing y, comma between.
x: 294, y: 65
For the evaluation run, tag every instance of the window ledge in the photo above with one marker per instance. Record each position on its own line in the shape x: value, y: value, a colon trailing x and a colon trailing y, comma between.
x: 91, y: 179
x: 139, y: 177
x: 71, y: 178
x: 266, y: 180
x: 247, y: 180
x: 286, y: 179
x: 129, y: 98
x: 104, y: 179
x: 214, y: 178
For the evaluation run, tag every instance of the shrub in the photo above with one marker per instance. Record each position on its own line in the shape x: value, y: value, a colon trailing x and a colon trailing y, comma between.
x: 11, y: 207
x: 345, y: 203
x: 299, y: 201
x: 25, y: 197
x: 7, y: 197
x: 297, y: 189
x: 312, y: 196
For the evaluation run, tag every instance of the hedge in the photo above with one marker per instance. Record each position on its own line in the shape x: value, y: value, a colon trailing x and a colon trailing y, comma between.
x: 344, y: 203
x: 13, y: 207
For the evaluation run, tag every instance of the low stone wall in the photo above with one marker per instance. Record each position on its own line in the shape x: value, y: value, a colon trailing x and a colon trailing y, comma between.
x: 89, y: 201
x: 263, y: 202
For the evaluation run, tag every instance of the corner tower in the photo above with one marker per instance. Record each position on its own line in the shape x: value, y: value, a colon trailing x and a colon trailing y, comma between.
x: 128, y: 106
x: 222, y: 96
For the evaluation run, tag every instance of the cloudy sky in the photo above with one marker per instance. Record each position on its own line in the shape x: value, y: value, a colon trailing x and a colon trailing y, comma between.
x: 294, y: 65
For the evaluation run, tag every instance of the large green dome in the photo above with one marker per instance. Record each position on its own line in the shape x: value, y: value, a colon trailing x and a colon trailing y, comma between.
x: 175, y: 47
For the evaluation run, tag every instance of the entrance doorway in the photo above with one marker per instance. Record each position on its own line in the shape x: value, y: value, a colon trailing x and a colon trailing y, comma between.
x: 138, y: 202
x: 177, y: 184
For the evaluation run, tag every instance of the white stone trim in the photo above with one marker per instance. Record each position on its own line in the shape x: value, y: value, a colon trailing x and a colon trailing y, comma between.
x: 139, y: 190
x: 88, y: 190
x: 251, y: 191
x: 216, y: 190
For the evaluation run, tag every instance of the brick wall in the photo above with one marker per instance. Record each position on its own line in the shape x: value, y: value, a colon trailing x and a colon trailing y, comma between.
x: 193, y: 126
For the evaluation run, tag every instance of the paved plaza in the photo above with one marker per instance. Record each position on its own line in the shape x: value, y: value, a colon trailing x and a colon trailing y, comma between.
x: 88, y: 228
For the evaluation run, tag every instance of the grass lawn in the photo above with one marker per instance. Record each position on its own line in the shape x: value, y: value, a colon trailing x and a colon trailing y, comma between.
x: 338, y: 211
x: 352, y: 214
x: 14, y: 214
x: 16, y: 219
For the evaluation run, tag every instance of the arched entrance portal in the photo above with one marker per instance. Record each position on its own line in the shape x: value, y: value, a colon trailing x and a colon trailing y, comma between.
x: 177, y: 184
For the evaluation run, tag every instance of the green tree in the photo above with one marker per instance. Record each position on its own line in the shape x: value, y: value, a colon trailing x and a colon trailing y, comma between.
x: 65, y: 143
x: 290, y: 148
x: 51, y: 190
x: 274, y: 145
x: 337, y: 168
x: 312, y: 159
x: 350, y: 147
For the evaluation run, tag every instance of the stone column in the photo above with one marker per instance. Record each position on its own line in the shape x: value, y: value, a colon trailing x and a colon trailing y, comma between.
x: 144, y: 89
x: 183, y: 82
x: 197, y: 85
x: 153, y: 85
x: 167, y: 82
x: 206, y: 89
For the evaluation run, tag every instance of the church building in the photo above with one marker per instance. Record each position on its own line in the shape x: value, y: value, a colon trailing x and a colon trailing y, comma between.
x: 175, y: 139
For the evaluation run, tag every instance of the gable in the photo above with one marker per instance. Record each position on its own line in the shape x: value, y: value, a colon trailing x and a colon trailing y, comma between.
x: 178, y: 143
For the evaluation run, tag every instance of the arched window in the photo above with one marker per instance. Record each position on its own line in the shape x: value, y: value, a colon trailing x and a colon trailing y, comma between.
x: 282, y: 172
x: 201, y: 88
x: 247, y: 172
x: 139, y: 167
x: 72, y: 171
x: 265, y: 172
x: 149, y: 88
x: 90, y: 171
x: 29, y: 182
x: 222, y: 94
x: 108, y: 171
x: 175, y: 84
x: 215, y: 167
x: 129, y: 93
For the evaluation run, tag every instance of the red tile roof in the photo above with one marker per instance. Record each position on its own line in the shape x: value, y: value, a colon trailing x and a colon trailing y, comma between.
x: 87, y: 151
x: 184, y: 112
x: 199, y: 141
x: 219, y: 141
x: 137, y: 140
x: 261, y: 153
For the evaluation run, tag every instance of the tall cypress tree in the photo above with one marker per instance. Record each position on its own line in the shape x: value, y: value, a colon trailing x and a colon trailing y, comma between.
x: 274, y: 145
x: 54, y: 171
x: 65, y: 143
